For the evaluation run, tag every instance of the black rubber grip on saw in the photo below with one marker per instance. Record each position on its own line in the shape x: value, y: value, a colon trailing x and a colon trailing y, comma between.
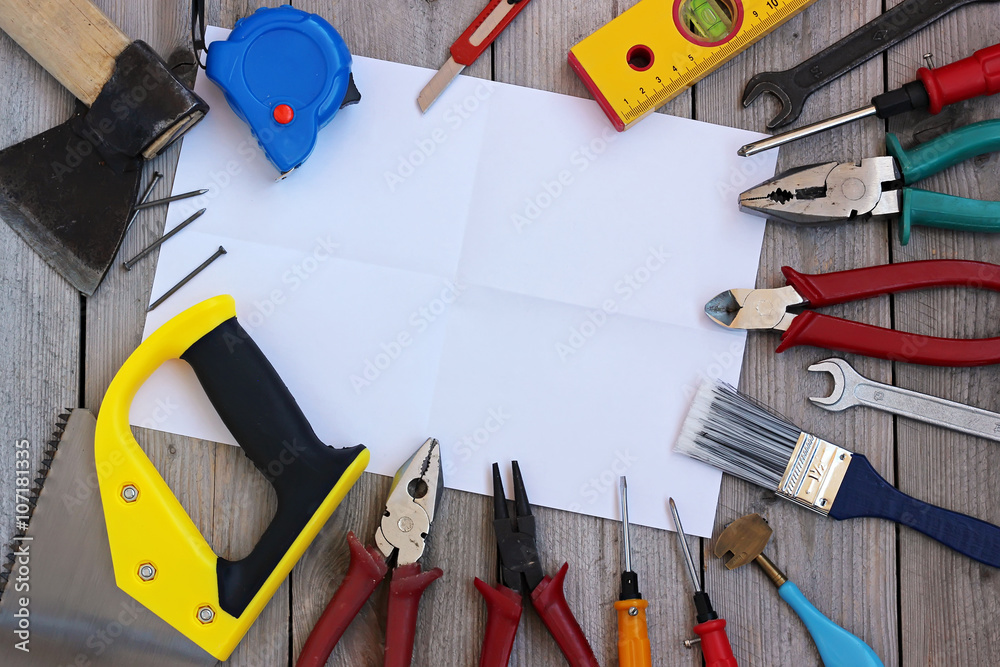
x: 260, y: 412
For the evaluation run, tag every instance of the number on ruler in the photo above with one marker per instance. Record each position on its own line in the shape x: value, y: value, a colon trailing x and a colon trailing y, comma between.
x: 773, y: 4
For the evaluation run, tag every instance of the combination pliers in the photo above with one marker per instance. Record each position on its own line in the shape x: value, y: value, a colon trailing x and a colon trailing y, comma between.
x: 876, y: 187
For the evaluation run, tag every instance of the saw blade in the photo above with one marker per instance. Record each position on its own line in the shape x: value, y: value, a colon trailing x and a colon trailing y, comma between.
x: 36, y: 489
x: 62, y: 605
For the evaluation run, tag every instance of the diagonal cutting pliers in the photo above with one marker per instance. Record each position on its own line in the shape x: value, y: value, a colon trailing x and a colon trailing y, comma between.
x: 400, y: 540
x: 876, y: 187
x: 770, y: 309
x: 521, y: 575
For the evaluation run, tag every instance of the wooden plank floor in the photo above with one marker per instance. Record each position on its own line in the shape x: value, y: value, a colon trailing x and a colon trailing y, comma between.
x: 915, y: 602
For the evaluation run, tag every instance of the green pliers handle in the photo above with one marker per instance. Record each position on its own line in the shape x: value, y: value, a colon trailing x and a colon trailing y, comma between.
x: 933, y: 209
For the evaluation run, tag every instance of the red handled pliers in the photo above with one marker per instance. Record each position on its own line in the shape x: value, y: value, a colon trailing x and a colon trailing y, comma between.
x: 401, y: 536
x: 521, y: 575
x: 768, y: 309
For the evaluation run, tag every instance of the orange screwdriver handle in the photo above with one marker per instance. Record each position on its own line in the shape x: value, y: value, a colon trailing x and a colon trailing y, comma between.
x: 366, y: 570
x: 550, y: 603
x: 633, y: 634
x: 503, y: 613
x: 964, y: 79
x: 407, y: 585
x: 715, y: 644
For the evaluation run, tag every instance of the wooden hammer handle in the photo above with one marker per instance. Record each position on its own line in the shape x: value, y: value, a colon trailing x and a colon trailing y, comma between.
x: 72, y: 39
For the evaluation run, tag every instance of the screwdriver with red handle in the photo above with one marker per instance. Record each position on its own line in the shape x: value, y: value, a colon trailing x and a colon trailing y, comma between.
x: 934, y: 89
x: 711, y: 629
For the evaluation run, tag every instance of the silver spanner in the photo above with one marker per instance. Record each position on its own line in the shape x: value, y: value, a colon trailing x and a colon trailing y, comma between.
x: 851, y: 388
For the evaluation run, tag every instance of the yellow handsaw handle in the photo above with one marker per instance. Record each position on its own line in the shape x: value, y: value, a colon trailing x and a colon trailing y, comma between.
x: 160, y: 558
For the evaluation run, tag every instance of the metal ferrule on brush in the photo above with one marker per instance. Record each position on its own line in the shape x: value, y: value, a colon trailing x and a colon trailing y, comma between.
x: 814, y: 473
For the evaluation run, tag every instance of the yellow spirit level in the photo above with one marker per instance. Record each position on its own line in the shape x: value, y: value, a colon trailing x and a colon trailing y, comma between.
x: 659, y: 48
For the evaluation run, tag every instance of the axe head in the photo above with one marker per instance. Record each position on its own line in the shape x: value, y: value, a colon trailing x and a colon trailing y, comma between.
x: 69, y: 191
x: 60, y: 195
x: 745, y: 539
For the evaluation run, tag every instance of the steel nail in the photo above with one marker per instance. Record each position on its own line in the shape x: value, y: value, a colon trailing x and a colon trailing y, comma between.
x: 167, y: 200
x: 156, y: 244
x: 145, y: 195
x: 186, y: 279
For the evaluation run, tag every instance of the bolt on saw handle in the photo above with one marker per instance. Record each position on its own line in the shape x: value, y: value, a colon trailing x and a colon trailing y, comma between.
x: 150, y: 527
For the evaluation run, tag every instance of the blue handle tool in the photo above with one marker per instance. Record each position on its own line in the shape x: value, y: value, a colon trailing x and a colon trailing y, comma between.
x: 837, y: 647
x: 286, y: 73
x: 743, y: 541
x: 864, y: 493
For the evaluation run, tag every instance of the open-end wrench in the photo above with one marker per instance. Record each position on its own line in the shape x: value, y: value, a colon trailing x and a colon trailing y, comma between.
x: 793, y: 86
x: 850, y: 389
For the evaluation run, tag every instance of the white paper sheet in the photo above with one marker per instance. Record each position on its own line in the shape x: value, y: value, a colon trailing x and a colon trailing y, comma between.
x: 505, y: 273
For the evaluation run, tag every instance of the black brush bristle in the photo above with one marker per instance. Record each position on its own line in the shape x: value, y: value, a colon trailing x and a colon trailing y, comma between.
x: 734, y: 433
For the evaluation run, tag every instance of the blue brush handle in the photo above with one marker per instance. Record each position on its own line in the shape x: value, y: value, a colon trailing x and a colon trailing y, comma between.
x: 837, y: 647
x: 864, y: 493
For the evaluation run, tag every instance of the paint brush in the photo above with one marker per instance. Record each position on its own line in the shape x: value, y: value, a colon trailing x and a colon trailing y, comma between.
x: 734, y: 433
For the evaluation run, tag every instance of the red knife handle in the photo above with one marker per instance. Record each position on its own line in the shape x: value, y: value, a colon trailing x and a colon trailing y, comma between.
x: 715, y: 644
x: 550, y: 603
x: 979, y: 74
x: 408, y: 584
x: 825, y: 289
x: 834, y: 333
x: 503, y: 613
x: 474, y: 41
x: 366, y: 570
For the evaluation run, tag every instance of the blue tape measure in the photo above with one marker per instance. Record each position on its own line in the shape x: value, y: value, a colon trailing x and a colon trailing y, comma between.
x: 286, y: 73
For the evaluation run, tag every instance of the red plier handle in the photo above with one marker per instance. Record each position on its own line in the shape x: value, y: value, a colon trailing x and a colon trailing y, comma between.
x: 366, y: 570
x: 503, y: 613
x: 810, y: 328
x: 407, y: 586
x: 550, y: 603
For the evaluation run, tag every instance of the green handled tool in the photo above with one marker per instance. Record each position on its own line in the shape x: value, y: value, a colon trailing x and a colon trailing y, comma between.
x: 878, y: 187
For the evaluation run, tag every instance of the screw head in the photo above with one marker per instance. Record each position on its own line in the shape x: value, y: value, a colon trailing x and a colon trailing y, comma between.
x: 206, y: 614
x: 633, y: 611
x: 147, y: 572
x: 129, y: 493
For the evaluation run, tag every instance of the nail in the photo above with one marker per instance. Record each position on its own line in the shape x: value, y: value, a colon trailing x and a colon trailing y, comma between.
x: 167, y: 200
x: 186, y: 279
x: 145, y: 195
x: 156, y: 244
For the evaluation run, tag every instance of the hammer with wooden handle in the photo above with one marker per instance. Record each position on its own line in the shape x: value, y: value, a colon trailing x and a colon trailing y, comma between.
x: 745, y: 539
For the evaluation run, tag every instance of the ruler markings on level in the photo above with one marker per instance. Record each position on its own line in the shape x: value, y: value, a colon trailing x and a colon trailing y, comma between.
x: 665, y: 85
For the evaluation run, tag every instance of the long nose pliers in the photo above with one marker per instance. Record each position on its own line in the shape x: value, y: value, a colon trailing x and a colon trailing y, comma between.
x: 521, y: 576
x: 772, y: 309
x: 877, y: 187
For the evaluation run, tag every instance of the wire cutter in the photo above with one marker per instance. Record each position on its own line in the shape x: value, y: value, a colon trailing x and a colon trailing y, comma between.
x: 873, y: 188
x: 769, y: 309
x: 520, y: 574
x: 400, y: 539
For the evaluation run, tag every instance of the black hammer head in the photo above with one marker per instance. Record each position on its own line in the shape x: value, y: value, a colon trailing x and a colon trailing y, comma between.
x: 69, y: 191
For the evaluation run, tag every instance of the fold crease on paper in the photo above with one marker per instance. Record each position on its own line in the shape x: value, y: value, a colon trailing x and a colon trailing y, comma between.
x: 505, y: 273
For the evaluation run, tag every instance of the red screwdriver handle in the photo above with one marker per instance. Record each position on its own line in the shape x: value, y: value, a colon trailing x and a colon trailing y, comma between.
x: 503, y: 613
x: 408, y: 584
x: 979, y: 74
x: 715, y: 644
x: 550, y: 603
x: 366, y: 570
x: 826, y: 289
x: 482, y: 31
